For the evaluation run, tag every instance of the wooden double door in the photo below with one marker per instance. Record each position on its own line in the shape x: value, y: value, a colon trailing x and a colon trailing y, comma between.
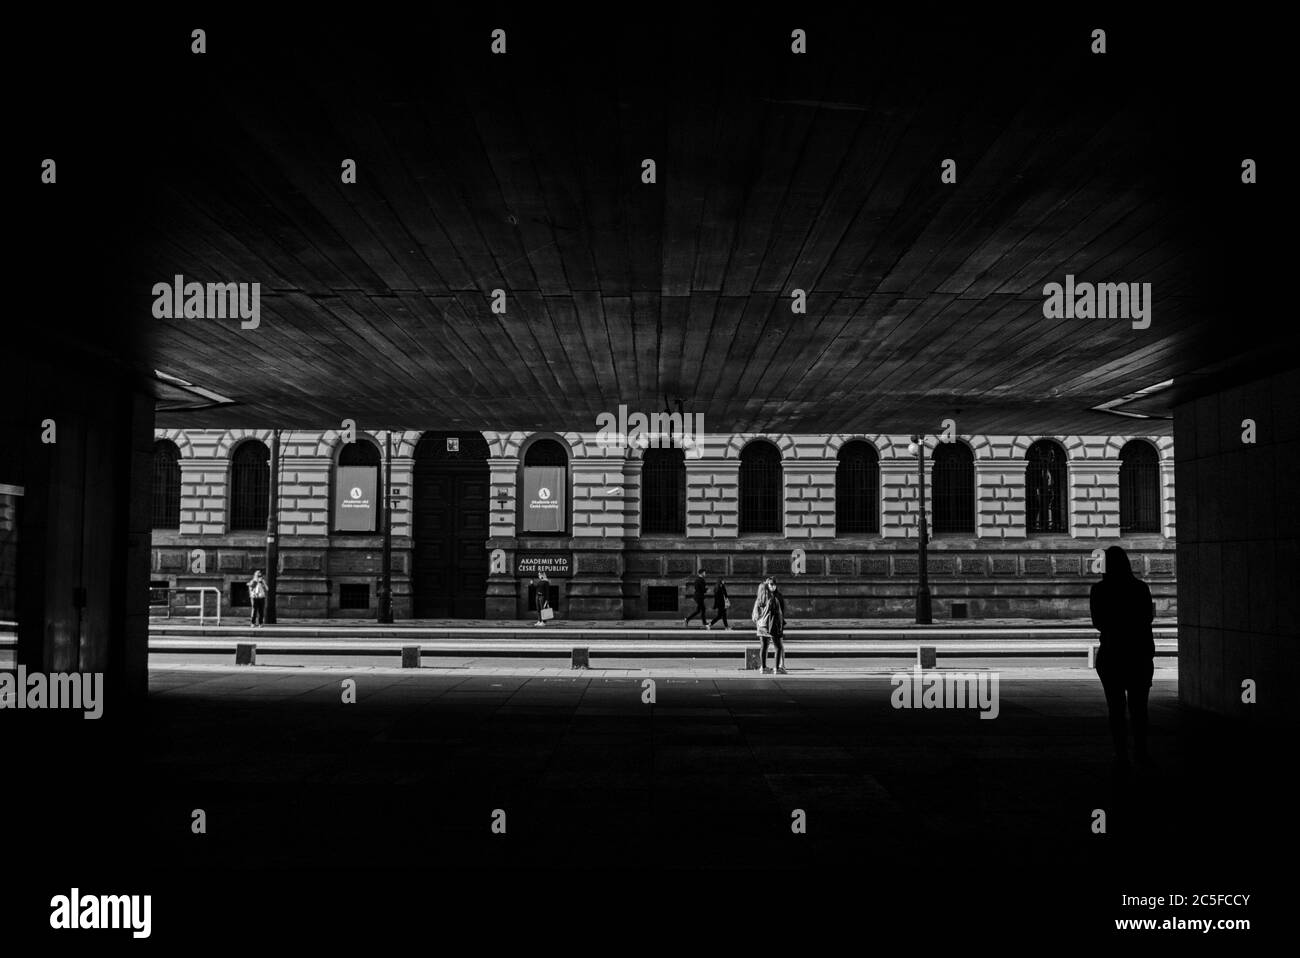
x: 450, y: 517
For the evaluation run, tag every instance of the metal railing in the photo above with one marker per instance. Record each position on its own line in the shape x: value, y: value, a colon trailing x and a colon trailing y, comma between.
x: 167, y: 608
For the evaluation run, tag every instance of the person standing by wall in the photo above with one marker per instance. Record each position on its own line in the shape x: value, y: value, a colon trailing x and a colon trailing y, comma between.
x: 258, y: 590
x: 778, y: 625
x: 721, y: 602
x: 542, y: 591
x: 701, y: 592
x: 769, y: 618
x: 1122, y: 613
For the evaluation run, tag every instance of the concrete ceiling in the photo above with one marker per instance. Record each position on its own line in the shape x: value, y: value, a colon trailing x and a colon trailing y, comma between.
x: 774, y: 172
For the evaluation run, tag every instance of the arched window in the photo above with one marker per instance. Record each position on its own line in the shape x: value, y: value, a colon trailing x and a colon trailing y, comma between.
x: 363, y: 452
x: 543, y: 498
x: 857, y: 484
x: 250, y: 486
x: 953, y: 489
x: 1139, y: 488
x: 357, y: 472
x: 760, y: 489
x: 663, y: 492
x: 166, y: 485
x: 1045, y: 488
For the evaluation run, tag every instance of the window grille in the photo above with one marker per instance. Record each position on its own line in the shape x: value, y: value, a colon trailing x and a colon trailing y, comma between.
x: 857, y: 485
x: 1045, y: 488
x: 760, y: 489
x: 952, y: 493
x: 1139, y: 488
x: 250, y: 486
x: 166, y: 485
x: 663, y: 492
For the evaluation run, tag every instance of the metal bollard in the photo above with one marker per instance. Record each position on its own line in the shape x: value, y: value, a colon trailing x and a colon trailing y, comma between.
x: 1092, y: 656
x: 926, y: 657
x: 751, y: 659
x: 245, y: 653
x: 410, y: 656
x: 581, y: 659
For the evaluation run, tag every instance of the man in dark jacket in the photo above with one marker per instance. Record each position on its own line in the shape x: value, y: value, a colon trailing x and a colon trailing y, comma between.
x: 1122, y: 613
x: 720, y: 602
x: 701, y: 590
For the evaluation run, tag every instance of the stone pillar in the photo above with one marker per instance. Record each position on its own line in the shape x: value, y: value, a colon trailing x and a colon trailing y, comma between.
x: 810, y: 499
x: 712, y: 498
x: 203, y: 495
x: 304, y: 519
x: 632, y: 498
x: 598, y: 498
x: 503, y: 475
x: 84, y: 525
x: 305, y: 481
x: 898, y: 496
x: 1168, y: 504
x: 1239, y: 551
x: 404, y: 482
x: 596, y: 589
x: 502, y: 588
x: 1094, y: 498
x: 1000, y: 498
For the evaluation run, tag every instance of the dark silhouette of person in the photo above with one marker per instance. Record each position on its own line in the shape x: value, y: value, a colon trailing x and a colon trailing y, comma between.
x: 701, y: 592
x: 1122, y: 612
x: 720, y: 602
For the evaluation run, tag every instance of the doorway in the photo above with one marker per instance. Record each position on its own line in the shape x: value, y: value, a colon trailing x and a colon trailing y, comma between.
x: 450, y: 502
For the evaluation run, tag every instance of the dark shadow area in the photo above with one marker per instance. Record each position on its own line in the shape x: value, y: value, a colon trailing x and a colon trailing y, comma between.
x: 909, y: 813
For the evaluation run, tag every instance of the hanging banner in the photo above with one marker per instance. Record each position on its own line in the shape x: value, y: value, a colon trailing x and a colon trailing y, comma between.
x: 544, y: 498
x: 356, y: 504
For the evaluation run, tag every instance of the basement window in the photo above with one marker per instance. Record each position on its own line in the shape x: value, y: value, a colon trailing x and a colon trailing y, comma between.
x: 354, y: 595
x: 661, y: 598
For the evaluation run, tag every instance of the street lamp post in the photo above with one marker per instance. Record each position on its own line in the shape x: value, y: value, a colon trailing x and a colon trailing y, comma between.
x: 386, y: 587
x: 923, y: 610
x: 272, y: 529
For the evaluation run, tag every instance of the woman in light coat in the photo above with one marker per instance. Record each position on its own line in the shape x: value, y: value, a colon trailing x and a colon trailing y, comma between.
x: 769, y: 618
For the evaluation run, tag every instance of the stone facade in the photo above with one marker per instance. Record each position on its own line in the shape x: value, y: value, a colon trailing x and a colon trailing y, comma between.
x: 999, y: 570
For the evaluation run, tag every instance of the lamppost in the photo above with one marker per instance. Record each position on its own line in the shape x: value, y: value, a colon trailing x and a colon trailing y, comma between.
x: 386, y: 586
x: 923, y: 613
x: 272, y: 529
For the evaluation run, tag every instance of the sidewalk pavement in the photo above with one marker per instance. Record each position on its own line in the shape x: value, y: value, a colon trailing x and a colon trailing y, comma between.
x: 739, y: 623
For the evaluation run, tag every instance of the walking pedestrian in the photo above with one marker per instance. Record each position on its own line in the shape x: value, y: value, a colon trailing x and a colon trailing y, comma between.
x: 258, y: 590
x: 1122, y: 613
x: 701, y: 592
x: 721, y: 602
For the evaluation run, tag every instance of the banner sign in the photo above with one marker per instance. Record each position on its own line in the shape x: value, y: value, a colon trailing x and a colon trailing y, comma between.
x: 557, y: 565
x: 544, y: 498
x: 356, y: 504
